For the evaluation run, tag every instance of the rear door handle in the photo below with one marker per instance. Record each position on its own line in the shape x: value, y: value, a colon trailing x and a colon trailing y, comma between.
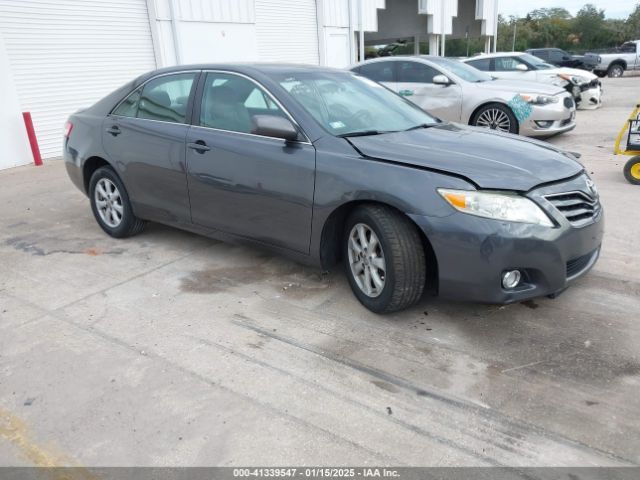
x: 114, y: 130
x: 199, y: 146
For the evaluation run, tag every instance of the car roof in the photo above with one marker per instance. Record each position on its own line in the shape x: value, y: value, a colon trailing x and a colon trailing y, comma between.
x: 495, y: 55
x: 248, y: 68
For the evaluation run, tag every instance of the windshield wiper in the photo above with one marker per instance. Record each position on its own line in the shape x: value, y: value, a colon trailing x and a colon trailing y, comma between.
x: 362, y: 133
x: 422, y: 125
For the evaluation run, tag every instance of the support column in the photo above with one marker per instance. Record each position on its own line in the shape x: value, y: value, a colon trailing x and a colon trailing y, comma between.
x: 487, y: 45
x: 434, y: 44
x: 416, y: 44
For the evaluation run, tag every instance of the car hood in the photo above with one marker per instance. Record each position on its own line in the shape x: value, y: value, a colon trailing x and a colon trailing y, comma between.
x: 489, y: 159
x: 569, y: 71
x: 518, y: 86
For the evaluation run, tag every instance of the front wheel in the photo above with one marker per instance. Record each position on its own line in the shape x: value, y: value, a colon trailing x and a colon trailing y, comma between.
x: 632, y: 170
x: 384, y: 258
x: 615, y: 71
x: 110, y: 204
x: 496, y: 117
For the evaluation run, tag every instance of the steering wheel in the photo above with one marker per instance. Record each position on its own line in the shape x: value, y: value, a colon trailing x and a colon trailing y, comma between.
x: 362, y: 117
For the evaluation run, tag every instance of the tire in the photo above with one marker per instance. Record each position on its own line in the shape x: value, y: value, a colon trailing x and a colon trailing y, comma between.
x: 122, y: 223
x: 400, y: 248
x: 632, y: 170
x: 493, y: 115
x: 615, y: 71
x: 600, y: 74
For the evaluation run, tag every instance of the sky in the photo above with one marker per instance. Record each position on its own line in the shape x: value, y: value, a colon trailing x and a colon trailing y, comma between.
x: 612, y: 8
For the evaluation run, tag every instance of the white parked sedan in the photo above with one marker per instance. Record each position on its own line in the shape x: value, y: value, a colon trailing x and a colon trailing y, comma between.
x: 585, y: 87
x: 456, y: 92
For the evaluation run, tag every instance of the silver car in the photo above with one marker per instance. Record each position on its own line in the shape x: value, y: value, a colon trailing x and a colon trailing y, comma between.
x: 457, y: 92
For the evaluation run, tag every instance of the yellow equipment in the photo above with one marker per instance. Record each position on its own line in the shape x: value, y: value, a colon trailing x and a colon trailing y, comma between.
x: 632, y: 125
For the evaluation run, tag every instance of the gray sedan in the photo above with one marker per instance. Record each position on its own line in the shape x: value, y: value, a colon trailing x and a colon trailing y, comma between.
x: 326, y: 166
x: 457, y: 92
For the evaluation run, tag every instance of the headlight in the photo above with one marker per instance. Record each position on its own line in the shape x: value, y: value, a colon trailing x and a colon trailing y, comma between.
x: 499, y: 206
x: 575, y: 79
x: 539, y: 99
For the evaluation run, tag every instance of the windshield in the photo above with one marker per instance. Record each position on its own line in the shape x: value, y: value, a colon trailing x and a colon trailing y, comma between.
x: 537, y: 63
x: 461, y: 70
x: 345, y: 104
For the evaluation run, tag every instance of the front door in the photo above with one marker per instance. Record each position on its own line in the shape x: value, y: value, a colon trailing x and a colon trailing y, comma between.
x: 415, y: 82
x: 249, y: 185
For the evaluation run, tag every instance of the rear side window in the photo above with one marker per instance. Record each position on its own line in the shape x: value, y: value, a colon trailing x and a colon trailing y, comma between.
x: 166, y: 98
x: 129, y: 106
x: 378, y: 71
x: 483, y: 64
x: 414, y: 72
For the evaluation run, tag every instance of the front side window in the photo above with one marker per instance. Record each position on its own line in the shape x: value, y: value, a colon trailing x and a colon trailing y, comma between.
x: 508, y: 64
x: 344, y: 104
x: 461, y: 70
x: 229, y: 102
x: 166, y: 98
x: 414, y: 72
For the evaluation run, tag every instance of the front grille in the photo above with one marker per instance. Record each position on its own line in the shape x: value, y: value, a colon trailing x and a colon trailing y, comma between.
x: 568, y: 102
x: 577, y: 265
x: 578, y: 208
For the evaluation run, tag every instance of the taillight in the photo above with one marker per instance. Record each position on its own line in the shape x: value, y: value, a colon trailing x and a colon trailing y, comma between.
x: 67, y: 129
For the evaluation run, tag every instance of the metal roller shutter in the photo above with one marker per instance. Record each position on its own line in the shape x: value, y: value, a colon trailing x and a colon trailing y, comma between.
x: 287, y: 31
x: 66, y: 54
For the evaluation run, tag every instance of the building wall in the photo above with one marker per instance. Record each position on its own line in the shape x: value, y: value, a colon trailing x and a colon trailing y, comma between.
x: 14, y: 145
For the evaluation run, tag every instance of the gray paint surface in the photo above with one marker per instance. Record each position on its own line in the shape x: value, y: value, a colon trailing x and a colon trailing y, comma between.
x: 283, y: 195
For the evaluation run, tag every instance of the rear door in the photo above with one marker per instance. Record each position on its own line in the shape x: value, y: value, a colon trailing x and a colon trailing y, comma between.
x: 415, y: 82
x: 241, y: 183
x: 145, y: 137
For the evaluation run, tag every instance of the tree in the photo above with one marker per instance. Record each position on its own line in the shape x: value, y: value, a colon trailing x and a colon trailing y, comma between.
x: 632, y: 25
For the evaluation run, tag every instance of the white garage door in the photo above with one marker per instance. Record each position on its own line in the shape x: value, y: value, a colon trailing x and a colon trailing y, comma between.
x: 287, y: 31
x: 66, y: 54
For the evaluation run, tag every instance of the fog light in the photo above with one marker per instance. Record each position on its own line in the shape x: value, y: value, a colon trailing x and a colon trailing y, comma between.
x: 544, y: 123
x: 511, y: 279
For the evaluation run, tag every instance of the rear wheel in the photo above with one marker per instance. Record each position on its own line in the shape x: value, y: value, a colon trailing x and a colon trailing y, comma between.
x: 496, y: 117
x: 384, y: 258
x: 615, y: 71
x: 110, y: 204
x: 632, y: 170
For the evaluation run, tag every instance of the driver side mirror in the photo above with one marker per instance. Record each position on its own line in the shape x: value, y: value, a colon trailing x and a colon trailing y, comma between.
x: 522, y: 67
x: 441, y: 80
x: 274, y: 126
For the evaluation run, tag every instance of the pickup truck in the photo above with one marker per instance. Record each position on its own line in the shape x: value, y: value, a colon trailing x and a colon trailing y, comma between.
x: 615, y: 61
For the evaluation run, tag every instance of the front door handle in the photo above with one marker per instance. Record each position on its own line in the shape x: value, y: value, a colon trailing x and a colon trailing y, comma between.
x: 199, y: 146
x: 114, y: 130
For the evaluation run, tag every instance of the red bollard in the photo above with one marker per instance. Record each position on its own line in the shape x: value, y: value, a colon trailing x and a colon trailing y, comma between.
x: 33, y: 141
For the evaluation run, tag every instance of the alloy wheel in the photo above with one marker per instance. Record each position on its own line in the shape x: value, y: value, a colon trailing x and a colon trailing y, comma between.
x: 616, y: 71
x: 366, y: 259
x: 495, y: 119
x: 109, y: 202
